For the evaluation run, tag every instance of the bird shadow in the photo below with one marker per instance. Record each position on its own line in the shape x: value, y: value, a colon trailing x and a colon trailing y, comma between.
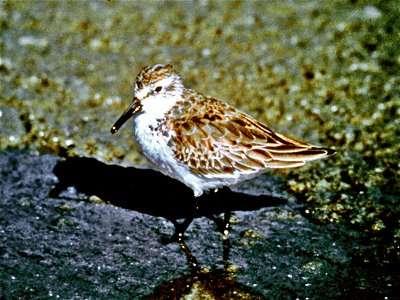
x: 150, y: 192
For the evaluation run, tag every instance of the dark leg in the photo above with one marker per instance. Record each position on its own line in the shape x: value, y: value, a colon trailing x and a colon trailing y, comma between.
x: 189, y: 256
x: 180, y: 228
x: 224, y: 227
x: 225, y: 239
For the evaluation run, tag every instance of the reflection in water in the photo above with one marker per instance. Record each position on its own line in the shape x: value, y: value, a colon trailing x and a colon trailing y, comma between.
x: 168, y: 198
x: 205, y: 284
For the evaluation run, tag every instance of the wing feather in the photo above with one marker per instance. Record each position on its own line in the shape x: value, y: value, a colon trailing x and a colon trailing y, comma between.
x: 218, y: 140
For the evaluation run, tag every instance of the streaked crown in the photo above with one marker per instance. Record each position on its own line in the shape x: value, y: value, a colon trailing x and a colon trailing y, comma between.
x: 158, y: 78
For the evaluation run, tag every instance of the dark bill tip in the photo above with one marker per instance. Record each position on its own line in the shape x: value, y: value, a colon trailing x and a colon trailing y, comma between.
x: 131, y: 110
x: 114, y: 129
x: 122, y: 119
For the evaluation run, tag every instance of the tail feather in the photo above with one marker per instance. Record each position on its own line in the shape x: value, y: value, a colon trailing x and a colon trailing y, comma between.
x: 297, y: 155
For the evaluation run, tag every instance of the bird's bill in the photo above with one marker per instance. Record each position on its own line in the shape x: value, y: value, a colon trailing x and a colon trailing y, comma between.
x: 133, y: 108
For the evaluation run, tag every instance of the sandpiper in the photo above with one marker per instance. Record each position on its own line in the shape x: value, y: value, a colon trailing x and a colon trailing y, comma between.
x: 201, y: 141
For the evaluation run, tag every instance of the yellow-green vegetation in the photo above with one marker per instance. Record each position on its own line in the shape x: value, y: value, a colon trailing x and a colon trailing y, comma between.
x: 359, y: 113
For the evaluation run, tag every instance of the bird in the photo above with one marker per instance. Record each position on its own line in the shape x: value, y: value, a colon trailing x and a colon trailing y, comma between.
x: 203, y: 142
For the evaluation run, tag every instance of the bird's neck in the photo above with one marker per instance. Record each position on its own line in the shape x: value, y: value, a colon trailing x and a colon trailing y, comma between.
x: 158, y: 106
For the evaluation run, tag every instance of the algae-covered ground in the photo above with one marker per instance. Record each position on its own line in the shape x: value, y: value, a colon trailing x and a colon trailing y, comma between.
x: 327, y: 72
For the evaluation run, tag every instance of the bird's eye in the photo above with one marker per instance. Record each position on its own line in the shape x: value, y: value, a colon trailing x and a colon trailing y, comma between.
x: 158, y: 89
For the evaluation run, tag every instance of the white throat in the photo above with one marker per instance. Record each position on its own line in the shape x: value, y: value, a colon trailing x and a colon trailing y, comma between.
x: 156, y: 106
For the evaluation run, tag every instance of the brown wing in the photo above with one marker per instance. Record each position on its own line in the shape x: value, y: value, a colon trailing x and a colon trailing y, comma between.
x: 219, y: 140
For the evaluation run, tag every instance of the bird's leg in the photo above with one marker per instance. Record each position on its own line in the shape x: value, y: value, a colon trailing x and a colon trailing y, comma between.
x: 180, y: 228
x: 224, y: 227
x: 179, y: 235
x: 192, y: 261
x: 225, y: 239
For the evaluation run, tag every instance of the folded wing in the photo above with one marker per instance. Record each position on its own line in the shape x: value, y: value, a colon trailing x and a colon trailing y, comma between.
x: 221, y: 141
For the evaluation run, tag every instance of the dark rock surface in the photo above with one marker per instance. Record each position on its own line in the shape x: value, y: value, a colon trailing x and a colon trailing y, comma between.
x: 76, y: 247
